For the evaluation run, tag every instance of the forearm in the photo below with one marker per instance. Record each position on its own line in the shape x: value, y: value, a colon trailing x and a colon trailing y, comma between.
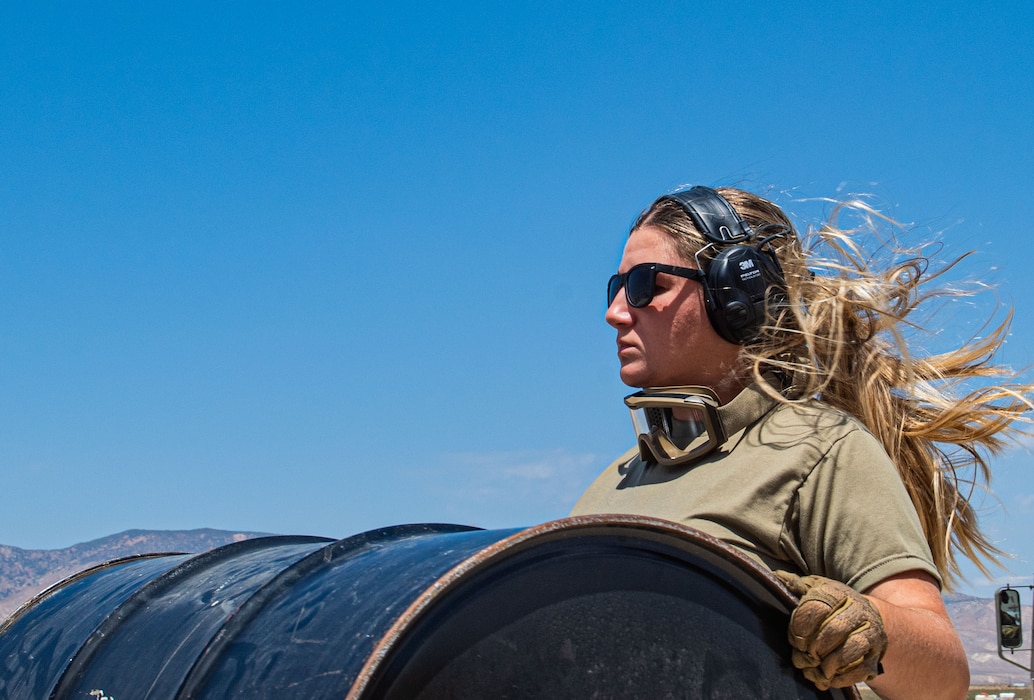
x: 924, y: 657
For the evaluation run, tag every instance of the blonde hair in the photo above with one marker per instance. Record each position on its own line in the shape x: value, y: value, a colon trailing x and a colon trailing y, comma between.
x: 843, y: 335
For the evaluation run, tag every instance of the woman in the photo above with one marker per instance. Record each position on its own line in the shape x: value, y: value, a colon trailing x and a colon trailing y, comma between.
x: 782, y: 412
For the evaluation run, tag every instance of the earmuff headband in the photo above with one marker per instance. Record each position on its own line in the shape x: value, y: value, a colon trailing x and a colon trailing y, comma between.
x: 712, y: 215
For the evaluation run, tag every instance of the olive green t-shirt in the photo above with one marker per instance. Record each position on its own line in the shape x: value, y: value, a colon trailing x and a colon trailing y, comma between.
x: 803, y: 487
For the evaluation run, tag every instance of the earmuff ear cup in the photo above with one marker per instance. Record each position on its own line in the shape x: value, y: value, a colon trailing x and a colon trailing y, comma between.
x: 737, y: 283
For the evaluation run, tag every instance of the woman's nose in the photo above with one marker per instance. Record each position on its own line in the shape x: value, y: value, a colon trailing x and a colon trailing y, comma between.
x: 618, y: 313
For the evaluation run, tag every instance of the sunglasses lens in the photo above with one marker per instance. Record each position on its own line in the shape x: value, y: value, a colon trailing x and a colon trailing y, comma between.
x: 639, y: 286
x: 614, y: 287
x: 638, y: 283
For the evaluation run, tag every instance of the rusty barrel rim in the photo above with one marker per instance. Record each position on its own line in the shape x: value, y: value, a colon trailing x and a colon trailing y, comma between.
x: 749, y: 575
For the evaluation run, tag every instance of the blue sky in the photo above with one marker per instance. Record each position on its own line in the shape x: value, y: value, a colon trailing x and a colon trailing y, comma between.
x: 321, y: 269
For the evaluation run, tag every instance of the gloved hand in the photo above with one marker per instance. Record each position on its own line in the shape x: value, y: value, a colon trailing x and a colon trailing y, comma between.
x: 837, y: 635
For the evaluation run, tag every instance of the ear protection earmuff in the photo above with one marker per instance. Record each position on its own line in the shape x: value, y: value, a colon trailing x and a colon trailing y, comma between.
x: 744, y: 280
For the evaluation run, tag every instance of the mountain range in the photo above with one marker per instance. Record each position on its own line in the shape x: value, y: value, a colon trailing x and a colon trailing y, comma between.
x: 25, y: 572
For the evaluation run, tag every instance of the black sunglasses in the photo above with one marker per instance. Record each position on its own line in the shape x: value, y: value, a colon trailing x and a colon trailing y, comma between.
x: 640, y: 282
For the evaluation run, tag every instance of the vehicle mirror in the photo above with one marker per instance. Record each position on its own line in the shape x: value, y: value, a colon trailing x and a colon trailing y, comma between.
x: 1010, y: 627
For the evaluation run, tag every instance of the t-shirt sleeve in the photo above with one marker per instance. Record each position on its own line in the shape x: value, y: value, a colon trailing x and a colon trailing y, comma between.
x: 856, y: 522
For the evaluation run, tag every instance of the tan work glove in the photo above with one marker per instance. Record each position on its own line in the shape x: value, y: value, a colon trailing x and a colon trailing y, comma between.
x: 836, y: 633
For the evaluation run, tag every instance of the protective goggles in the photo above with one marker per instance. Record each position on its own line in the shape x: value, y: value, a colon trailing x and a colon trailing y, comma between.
x: 676, y: 424
x: 640, y: 282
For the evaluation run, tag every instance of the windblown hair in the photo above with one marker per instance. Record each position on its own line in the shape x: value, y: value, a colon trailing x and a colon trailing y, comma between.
x: 845, y: 335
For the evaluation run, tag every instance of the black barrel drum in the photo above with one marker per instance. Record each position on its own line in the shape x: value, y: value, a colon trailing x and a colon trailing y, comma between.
x: 586, y: 607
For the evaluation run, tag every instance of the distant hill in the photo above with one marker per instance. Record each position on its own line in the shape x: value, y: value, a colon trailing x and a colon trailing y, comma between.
x: 974, y: 618
x: 25, y: 572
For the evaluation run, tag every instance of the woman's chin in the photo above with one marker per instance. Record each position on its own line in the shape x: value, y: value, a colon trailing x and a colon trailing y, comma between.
x: 633, y: 377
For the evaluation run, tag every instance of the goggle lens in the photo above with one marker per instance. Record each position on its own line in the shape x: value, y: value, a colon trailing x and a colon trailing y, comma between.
x: 671, y: 439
